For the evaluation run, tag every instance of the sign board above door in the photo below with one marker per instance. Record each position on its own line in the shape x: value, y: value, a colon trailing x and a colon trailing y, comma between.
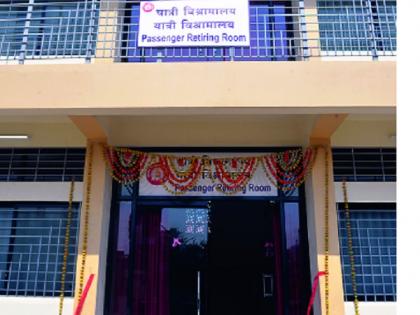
x: 194, y: 23
x: 258, y: 185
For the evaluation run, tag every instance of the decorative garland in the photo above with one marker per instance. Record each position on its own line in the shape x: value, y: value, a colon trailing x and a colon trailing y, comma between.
x: 176, y: 174
x: 289, y: 169
x: 66, y: 247
x: 89, y: 156
x: 326, y: 234
x: 350, y: 247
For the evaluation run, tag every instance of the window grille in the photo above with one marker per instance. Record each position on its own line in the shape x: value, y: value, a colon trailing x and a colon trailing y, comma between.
x: 374, y: 244
x: 31, y: 249
x: 354, y: 27
x: 48, y: 28
x: 365, y: 164
x: 280, y: 31
x: 41, y: 164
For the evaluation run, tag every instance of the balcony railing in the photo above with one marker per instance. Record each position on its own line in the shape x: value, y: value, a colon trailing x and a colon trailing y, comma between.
x: 279, y: 31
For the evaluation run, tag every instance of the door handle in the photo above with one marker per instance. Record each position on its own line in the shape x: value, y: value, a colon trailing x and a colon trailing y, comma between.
x: 198, y: 292
x: 268, y: 284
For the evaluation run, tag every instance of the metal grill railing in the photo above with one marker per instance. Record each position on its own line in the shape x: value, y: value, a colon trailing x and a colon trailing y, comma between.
x: 365, y: 164
x: 374, y: 245
x: 280, y: 30
x: 355, y: 27
x: 41, y: 164
x: 36, y: 29
x: 31, y: 249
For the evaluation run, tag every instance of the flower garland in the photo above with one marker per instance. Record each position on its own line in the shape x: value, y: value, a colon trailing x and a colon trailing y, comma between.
x: 66, y: 247
x: 234, y: 177
x: 85, y: 235
x: 180, y: 177
x: 326, y: 233
x: 286, y: 170
x: 350, y: 248
x: 127, y: 165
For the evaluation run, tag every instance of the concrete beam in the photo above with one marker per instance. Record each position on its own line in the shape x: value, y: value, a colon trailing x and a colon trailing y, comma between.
x: 165, y: 88
x: 90, y: 126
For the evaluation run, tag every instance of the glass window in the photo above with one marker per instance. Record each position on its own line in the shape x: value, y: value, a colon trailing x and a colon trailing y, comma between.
x: 355, y: 25
x: 32, y: 246
x: 374, y: 245
x: 53, y: 29
x: 41, y: 164
x: 365, y: 164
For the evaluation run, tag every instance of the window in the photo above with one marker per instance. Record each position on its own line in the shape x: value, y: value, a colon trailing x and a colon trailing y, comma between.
x: 31, y: 249
x: 47, y: 28
x: 374, y: 246
x: 365, y: 164
x: 358, y: 26
x: 41, y: 164
x: 269, y: 23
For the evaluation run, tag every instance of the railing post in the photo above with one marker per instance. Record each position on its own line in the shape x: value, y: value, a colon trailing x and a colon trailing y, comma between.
x: 89, y: 48
x: 24, y: 45
x: 371, y: 26
x: 107, y: 42
x: 309, y: 29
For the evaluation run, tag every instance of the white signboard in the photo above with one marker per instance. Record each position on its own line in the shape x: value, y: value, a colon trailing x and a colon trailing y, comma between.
x: 194, y: 23
x: 259, y: 184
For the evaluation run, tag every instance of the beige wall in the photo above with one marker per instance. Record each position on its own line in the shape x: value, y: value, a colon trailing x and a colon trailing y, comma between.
x: 366, y: 131
x: 372, y: 308
x: 271, y: 87
x: 34, y: 305
x: 41, y: 134
x: 367, y: 191
x: 97, y: 236
x: 39, y: 191
x: 315, y: 205
x: 230, y: 130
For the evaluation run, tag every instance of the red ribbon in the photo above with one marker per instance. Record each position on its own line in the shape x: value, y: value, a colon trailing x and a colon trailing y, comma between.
x: 85, y: 292
x: 314, y: 288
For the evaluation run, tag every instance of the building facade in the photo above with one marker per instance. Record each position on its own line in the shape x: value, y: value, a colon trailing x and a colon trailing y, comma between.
x: 83, y: 103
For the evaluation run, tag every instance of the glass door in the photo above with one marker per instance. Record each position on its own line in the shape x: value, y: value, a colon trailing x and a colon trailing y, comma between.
x: 170, y: 256
x: 218, y: 260
x: 244, y: 265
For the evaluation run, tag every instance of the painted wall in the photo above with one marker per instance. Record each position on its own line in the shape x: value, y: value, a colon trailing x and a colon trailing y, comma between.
x: 372, y: 308
x: 366, y: 131
x: 200, y: 131
x: 121, y: 88
x: 39, y: 191
x: 42, y: 134
x: 34, y: 305
x: 367, y: 191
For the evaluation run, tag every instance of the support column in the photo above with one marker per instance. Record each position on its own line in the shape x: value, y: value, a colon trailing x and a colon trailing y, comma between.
x: 312, y: 28
x: 98, y: 208
x: 109, y: 30
x: 315, y: 198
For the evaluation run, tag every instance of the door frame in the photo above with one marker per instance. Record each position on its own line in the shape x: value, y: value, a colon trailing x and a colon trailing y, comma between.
x: 137, y: 202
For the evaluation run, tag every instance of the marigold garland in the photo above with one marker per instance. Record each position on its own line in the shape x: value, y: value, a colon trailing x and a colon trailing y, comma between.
x: 288, y: 173
x: 286, y: 170
x: 350, y: 249
x: 326, y: 233
x: 237, y: 176
x: 127, y: 165
x: 66, y: 248
x: 85, y: 235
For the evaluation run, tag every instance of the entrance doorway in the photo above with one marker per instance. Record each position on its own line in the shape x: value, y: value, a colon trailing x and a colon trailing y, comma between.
x: 207, y: 256
x: 219, y: 258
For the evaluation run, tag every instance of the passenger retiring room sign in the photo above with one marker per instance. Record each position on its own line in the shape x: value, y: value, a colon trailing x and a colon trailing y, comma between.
x: 258, y: 184
x: 194, y: 23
